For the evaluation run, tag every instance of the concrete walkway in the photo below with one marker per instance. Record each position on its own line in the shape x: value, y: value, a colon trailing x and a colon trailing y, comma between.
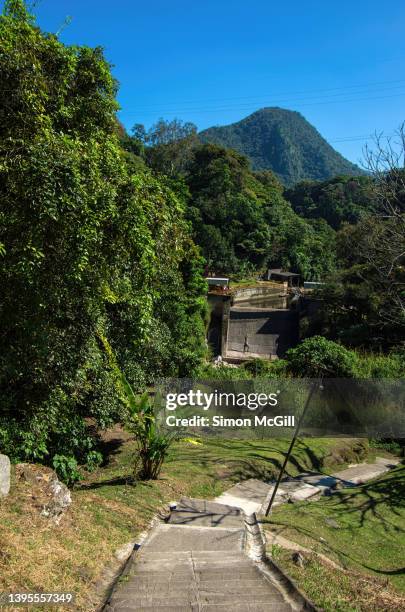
x: 196, y: 560
x: 253, y: 495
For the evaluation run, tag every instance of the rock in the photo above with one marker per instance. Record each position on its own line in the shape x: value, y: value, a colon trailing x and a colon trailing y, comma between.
x: 60, y: 500
x: 34, y: 474
x: 49, y: 495
x: 5, y: 470
x: 332, y: 523
x: 123, y: 553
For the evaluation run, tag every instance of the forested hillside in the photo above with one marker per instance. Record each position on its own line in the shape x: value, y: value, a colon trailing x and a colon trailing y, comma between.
x: 240, y: 218
x: 347, y: 232
x: 283, y: 141
x: 243, y: 223
x: 343, y: 199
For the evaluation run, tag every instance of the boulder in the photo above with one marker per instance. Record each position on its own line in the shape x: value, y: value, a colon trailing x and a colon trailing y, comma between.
x: 48, y: 494
x: 59, y: 502
x: 5, y: 470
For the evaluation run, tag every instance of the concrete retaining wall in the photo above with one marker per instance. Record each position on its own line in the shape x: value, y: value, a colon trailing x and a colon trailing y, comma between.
x: 261, y: 291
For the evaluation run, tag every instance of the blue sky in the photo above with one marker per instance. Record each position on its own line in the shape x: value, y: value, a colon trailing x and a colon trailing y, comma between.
x: 341, y: 64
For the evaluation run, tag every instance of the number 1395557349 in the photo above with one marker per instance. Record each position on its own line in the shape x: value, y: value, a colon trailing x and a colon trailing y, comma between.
x: 23, y: 599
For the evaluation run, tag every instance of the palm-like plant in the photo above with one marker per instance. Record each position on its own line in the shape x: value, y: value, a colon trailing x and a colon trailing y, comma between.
x: 140, y: 419
x: 152, y: 446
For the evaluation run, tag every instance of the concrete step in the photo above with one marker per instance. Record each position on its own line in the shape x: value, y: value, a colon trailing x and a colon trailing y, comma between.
x: 168, y: 538
x: 364, y: 472
x: 193, y: 504
x: 195, y: 579
x: 180, y: 602
x: 201, y: 592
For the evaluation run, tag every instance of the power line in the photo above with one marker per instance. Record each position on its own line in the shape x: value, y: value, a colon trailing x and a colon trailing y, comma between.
x: 357, y: 138
x: 274, y: 98
x: 293, y: 93
x: 248, y: 108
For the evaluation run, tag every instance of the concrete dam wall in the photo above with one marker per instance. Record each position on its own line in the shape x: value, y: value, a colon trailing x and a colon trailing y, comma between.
x: 259, y: 321
x: 260, y: 333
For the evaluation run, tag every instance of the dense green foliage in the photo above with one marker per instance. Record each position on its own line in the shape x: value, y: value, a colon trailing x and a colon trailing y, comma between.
x: 242, y: 222
x: 319, y: 357
x: 99, y: 266
x: 343, y: 199
x: 315, y: 357
x: 239, y: 217
x: 91, y: 249
x: 284, y: 142
x: 363, y: 304
x: 152, y: 446
x: 167, y: 146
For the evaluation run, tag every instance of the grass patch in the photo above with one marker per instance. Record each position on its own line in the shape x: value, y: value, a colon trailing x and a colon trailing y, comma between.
x: 245, y: 283
x: 362, y: 529
x: 108, y: 511
x: 338, y: 591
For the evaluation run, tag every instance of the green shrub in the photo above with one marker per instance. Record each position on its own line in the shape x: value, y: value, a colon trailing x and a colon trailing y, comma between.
x: 257, y: 366
x: 66, y: 469
x: 265, y: 368
x: 222, y: 372
x: 381, y: 366
x: 396, y: 447
x: 319, y: 357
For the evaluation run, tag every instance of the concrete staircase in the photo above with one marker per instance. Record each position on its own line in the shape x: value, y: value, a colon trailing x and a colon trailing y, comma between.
x: 196, y: 562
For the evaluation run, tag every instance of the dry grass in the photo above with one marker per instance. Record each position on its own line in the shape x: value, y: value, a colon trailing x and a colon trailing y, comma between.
x: 36, y: 555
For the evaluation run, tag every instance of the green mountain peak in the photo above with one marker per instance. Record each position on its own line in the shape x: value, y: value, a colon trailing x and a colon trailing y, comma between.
x: 284, y: 141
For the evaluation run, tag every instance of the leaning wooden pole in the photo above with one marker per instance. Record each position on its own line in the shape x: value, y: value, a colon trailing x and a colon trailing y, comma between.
x: 297, y: 430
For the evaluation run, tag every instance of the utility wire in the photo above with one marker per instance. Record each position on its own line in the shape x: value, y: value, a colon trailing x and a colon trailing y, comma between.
x: 285, y: 103
x: 271, y: 99
x: 293, y: 93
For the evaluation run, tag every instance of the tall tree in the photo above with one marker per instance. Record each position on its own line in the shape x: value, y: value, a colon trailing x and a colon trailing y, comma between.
x: 167, y: 145
x: 87, y: 248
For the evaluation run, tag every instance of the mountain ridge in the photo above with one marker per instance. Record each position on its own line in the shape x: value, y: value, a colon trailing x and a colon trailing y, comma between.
x: 283, y: 141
